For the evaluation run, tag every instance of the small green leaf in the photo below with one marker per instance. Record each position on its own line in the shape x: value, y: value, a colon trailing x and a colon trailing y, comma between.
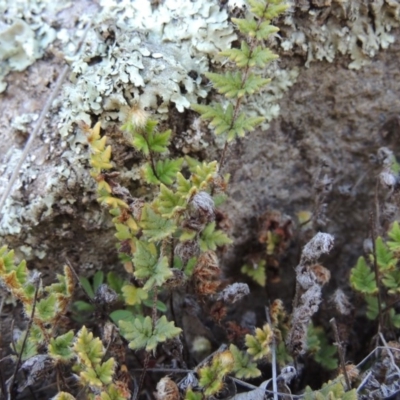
x: 141, y: 334
x: 190, y: 395
x: 156, y: 227
x: 89, y: 349
x: 169, y: 203
x: 105, y: 371
x: 60, y: 348
x: 63, y: 396
x: 149, y: 266
x: 146, y: 254
x: 258, y: 344
x: 190, y: 266
x: 323, y: 352
x: 242, y: 125
x: 83, y: 306
x: 395, y: 318
x: 184, y: 186
x: 160, y: 306
x: 221, y: 119
x: 121, y: 315
x: 394, y: 234
x: 243, y: 368
x: 256, y: 272
x: 159, y: 142
x: 372, y: 307
x: 392, y: 281
x: 98, y: 279
x: 46, y: 309
x: 133, y: 295
x: 362, y: 278
x: 115, y: 281
x: 165, y: 171
x: 165, y: 329
x: 89, y: 377
x: 211, y: 238
x: 87, y: 286
x: 384, y: 257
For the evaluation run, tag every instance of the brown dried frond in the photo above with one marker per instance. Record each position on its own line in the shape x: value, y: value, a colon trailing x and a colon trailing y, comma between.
x: 177, y: 279
x: 206, y: 275
x: 167, y: 389
x: 220, y: 184
x: 236, y: 332
x: 218, y: 311
x: 322, y: 274
x: 351, y: 371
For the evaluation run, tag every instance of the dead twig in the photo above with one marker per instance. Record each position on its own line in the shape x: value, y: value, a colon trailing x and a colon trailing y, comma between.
x: 376, y: 270
x: 341, y: 352
x: 388, y: 349
x: 17, y: 365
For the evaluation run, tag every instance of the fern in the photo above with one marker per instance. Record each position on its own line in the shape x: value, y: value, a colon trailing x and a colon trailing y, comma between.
x: 243, y: 368
x: 362, y: 278
x: 258, y: 345
x: 154, y: 226
x: 318, y: 346
x: 141, y: 333
x: 211, y: 238
x: 256, y: 272
x: 149, y: 265
x: 394, y: 234
x: 331, y: 391
x: 237, y: 84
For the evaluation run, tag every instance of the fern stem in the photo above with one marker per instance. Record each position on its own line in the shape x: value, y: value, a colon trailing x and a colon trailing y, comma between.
x: 246, y: 72
x: 341, y: 352
x: 376, y: 270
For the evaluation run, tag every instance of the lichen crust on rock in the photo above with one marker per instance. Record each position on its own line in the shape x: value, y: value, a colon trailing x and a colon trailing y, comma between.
x: 323, y: 29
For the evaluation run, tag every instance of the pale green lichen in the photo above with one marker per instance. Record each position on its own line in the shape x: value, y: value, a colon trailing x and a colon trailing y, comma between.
x: 134, y: 52
x: 325, y: 29
x: 24, y: 34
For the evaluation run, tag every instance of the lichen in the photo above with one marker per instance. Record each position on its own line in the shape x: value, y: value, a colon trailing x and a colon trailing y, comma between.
x: 24, y: 34
x: 322, y: 30
x: 135, y: 52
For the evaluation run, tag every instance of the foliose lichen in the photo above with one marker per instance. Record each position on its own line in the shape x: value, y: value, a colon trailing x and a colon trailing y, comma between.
x: 324, y: 29
x: 24, y: 34
x: 134, y: 52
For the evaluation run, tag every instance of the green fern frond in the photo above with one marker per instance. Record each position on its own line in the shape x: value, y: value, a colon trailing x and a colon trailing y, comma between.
x: 164, y: 171
x: 221, y: 119
x: 60, y: 348
x: 154, y: 226
x: 384, y: 257
x: 256, y: 272
x: 394, y: 234
x: 141, y: 334
x: 362, y: 278
x: 169, y: 203
x: 318, y: 346
x: 253, y: 29
x: 258, y: 344
x: 211, y: 239
x: 89, y: 349
x: 243, y: 368
x: 148, y: 265
x: 134, y: 295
